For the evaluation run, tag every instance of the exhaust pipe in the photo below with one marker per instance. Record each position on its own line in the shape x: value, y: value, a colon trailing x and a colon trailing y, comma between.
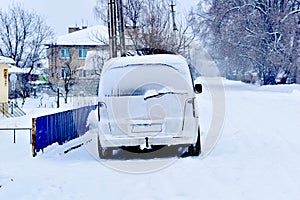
x: 146, y: 144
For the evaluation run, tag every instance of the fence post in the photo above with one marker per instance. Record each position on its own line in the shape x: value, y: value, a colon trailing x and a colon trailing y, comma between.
x: 33, y: 137
x: 57, y: 97
x: 12, y: 108
x: 14, y: 136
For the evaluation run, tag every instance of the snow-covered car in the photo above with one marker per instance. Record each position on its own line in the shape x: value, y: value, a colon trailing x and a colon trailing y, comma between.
x: 147, y: 102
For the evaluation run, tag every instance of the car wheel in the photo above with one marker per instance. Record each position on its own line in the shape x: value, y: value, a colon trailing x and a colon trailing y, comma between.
x: 195, y: 149
x: 104, y: 153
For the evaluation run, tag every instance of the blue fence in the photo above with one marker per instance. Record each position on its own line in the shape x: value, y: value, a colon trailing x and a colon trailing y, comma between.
x: 59, y: 127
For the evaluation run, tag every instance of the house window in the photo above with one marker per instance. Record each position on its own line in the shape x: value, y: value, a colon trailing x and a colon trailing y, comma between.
x: 82, y: 74
x: 65, y: 53
x: 82, y: 53
x: 65, y: 72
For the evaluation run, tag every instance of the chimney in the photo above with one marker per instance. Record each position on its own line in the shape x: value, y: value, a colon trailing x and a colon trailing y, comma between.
x: 73, y: 29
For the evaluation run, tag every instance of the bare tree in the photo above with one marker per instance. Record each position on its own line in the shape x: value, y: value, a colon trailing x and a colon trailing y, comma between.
x: 149, y: 25
x: 95, y: 62
x: 133, y: 11
x: 251, y: 34
x: 22, y: 37
x: 69, y: 75
x: 101, y: 11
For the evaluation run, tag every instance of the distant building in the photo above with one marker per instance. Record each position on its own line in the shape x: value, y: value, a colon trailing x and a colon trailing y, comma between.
x: 4, y: 85
x: 83, y: 50
x: 16, y: 75
x: 71, y: 49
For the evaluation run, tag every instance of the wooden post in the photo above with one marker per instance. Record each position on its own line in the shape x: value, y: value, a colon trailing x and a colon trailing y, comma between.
x: 57, y: 97
x: 33, y: 137
x: 14, y: 136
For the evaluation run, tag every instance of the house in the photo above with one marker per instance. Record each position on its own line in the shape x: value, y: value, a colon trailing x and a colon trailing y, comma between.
x: 16, y: 75
x: 67, y: 56
x: 81, y: 54
x: 4, y: 85
x: 15, y: 80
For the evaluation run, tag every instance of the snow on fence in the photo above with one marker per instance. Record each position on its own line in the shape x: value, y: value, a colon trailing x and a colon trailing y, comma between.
x: 59, y: 127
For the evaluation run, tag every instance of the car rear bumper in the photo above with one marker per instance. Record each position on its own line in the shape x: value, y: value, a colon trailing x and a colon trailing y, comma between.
x: 147, y: 141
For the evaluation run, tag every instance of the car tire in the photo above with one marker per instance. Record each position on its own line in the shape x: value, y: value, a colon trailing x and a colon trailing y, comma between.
x: 195, y: 149
x: 104, y: 153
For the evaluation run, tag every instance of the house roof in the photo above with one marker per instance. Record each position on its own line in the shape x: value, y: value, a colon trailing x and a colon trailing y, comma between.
x: 6, y: 60
x: 95, y: 35
x: 16, y: 70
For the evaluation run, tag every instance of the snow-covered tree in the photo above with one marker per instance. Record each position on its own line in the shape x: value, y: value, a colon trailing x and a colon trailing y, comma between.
x: 22, y: 37
x: 261, y: 35
x: 68, y: 74
x: 149, y: 25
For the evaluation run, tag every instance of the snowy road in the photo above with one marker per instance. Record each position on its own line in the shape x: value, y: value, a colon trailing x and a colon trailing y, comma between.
x: 257, y: 157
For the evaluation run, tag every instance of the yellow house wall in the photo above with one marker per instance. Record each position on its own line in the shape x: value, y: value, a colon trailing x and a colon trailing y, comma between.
x: 3, y: 84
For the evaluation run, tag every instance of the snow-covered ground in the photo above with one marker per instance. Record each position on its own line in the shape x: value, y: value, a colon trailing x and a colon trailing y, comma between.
x: 256, y: 157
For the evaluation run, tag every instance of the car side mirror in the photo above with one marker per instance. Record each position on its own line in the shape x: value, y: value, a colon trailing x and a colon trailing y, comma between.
x: 198, y: 88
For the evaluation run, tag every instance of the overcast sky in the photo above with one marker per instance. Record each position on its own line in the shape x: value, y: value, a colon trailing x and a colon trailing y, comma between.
x: 60, y: 14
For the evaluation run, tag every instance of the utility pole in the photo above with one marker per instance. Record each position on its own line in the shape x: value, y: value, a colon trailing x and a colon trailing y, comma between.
x: 121, y: 27
x: 116, y: 24
x: 173, y: 16
x: 112, y: 28
x: 174, y: 24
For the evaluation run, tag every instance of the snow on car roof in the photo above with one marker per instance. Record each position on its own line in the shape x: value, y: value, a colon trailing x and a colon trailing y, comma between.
x: 163, y: 69
x: 176, y: 61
